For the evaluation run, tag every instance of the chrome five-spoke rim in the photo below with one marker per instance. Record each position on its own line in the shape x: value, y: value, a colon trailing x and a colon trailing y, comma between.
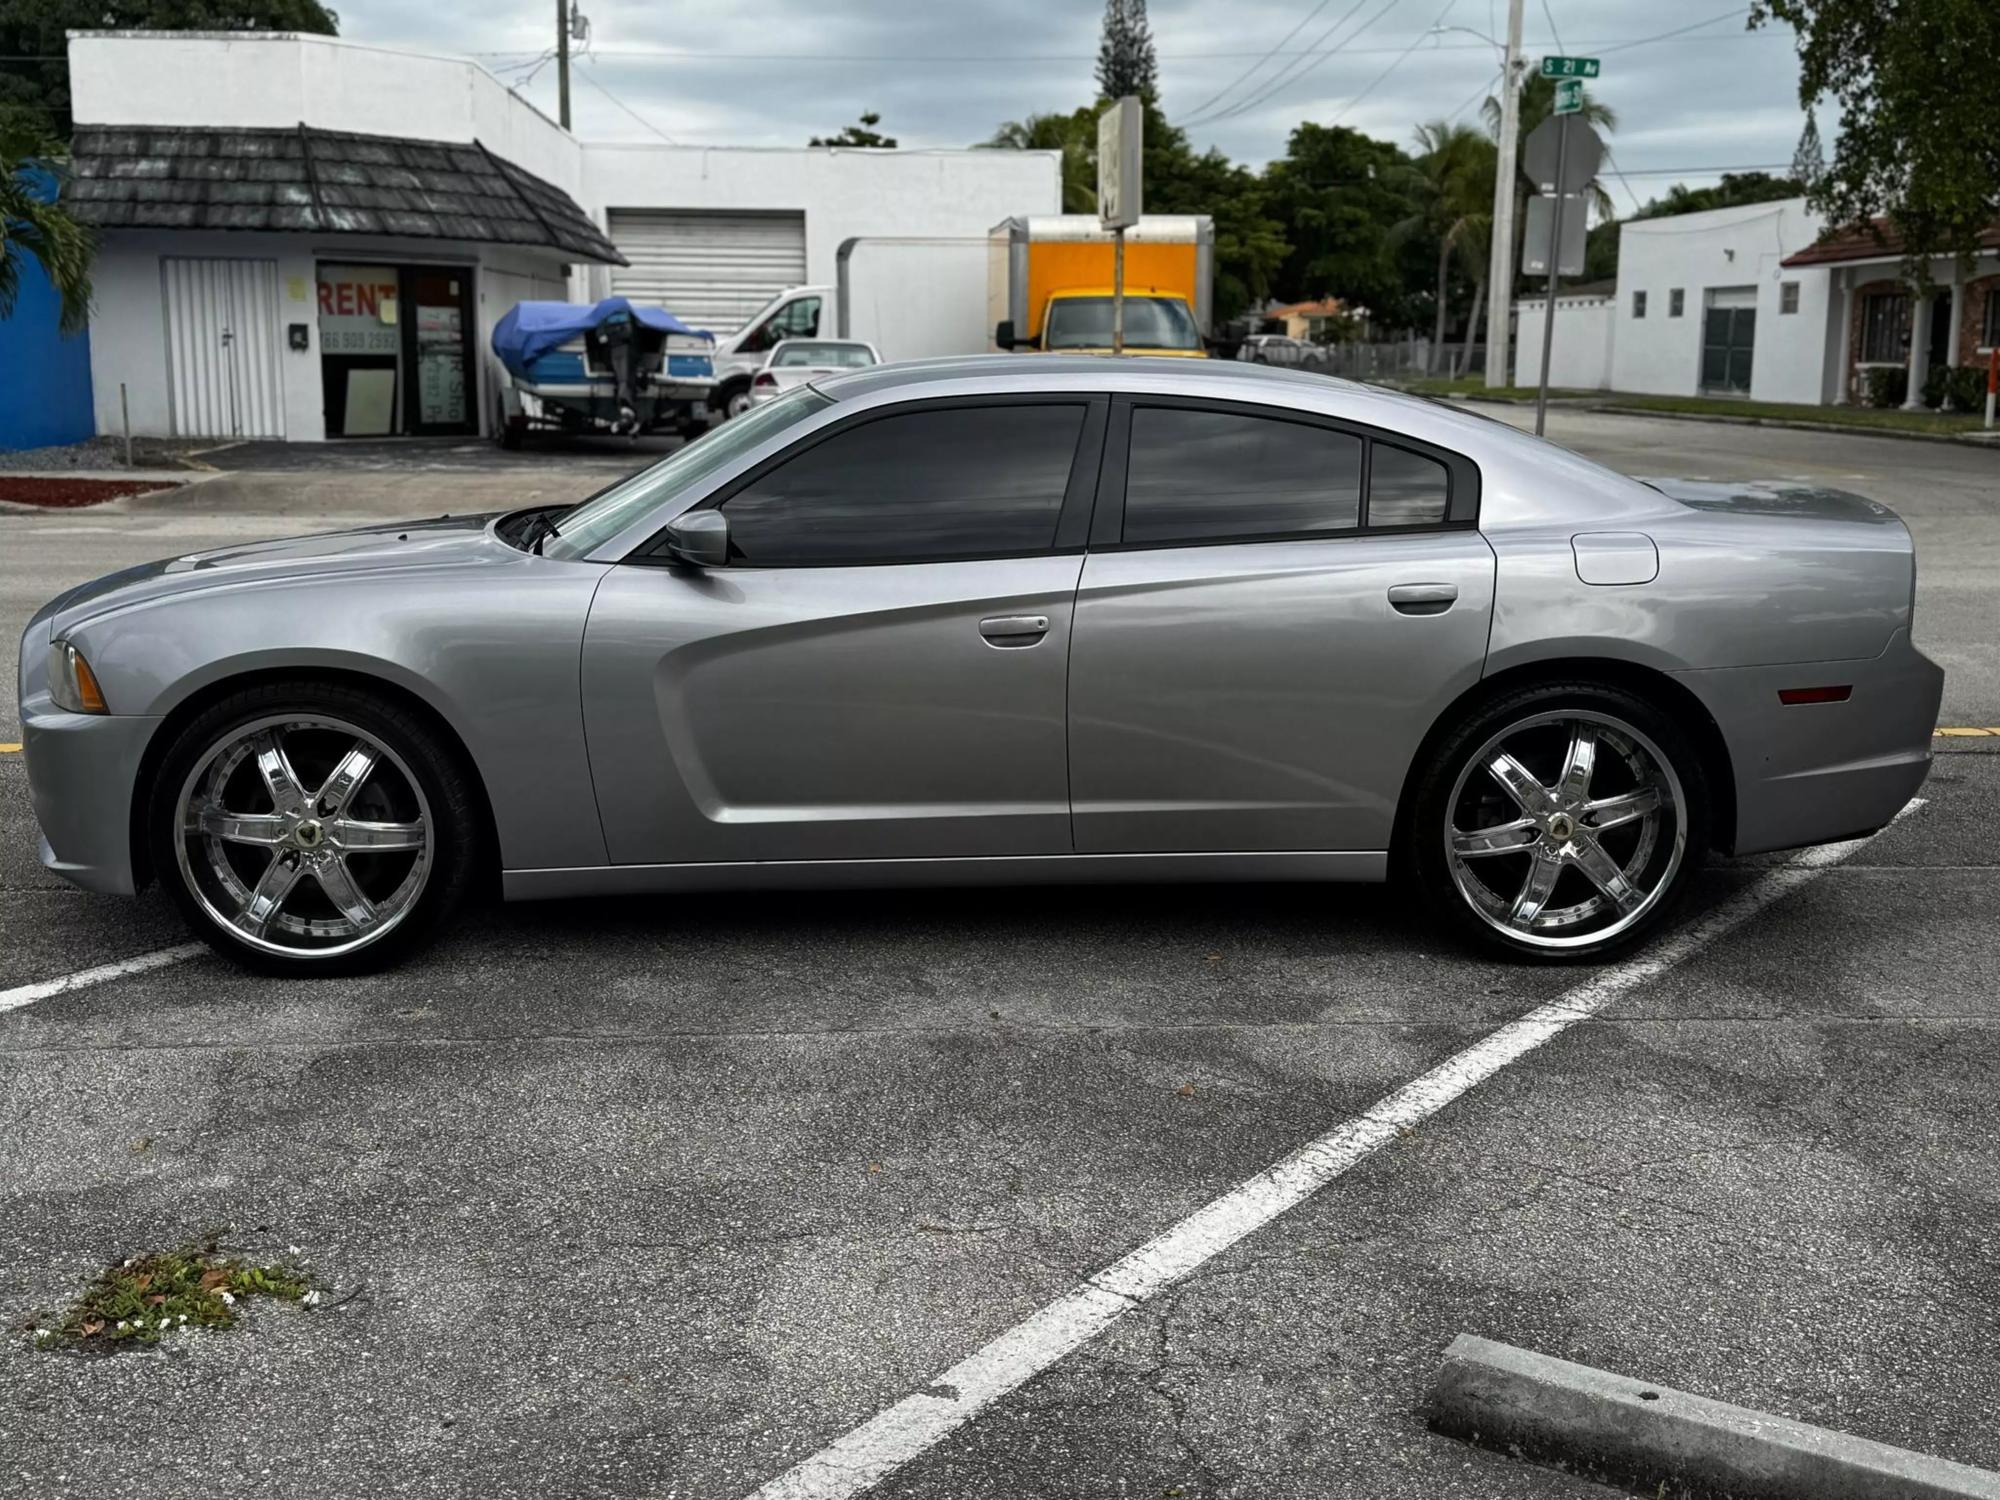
x: 304, y: 836
x: 1565, y: 829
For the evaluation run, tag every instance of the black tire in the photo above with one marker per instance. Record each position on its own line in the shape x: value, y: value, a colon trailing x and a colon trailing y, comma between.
x: 1423, y: 857
x: 511, y: 434
x: 455, y: 827
x: 719, y: 402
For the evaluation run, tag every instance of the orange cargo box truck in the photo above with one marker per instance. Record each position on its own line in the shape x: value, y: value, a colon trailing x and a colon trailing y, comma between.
x: 1049, y: 284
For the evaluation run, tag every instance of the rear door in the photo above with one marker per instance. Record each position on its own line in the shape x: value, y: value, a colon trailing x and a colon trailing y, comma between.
x: 1274, y: 611
x: 880, y: 670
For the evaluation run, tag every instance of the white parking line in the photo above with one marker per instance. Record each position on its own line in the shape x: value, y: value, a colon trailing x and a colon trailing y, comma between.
x: 28, y: 994
x: 894, y: 1436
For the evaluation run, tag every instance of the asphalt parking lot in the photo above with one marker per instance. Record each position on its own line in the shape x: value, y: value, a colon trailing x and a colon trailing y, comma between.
x: 661, y: 1198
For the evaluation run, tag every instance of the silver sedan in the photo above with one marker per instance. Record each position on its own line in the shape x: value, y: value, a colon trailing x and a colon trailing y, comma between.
x: 999, y: 620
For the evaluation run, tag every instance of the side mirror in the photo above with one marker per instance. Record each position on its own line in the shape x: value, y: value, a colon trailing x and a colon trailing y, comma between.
x: 699, y: 538
x: 1003, y: 333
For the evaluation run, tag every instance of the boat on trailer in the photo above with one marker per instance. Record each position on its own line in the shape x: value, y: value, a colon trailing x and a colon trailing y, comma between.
x: 611, y: 367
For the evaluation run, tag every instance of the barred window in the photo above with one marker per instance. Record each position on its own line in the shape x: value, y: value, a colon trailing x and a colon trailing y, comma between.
x: 1885, y: 328
x: 1788, y: 296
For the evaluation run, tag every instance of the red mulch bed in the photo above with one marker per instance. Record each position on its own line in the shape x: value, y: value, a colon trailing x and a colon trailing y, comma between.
x: 66, y: 494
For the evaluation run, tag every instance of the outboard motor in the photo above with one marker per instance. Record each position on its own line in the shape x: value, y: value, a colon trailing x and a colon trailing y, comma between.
x: 615, y: 339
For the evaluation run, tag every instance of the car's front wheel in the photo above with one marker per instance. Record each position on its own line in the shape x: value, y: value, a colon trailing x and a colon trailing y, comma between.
x: 310, y: 828
x: 1560, y: 822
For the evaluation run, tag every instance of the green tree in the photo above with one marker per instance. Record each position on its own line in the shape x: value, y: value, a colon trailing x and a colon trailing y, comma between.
x: 1126, y: 63
x: 31, y: 224
x: 1337, y: 194
x: 1075, y: 136
x: 1919, y: 131
x: 1452, y: 187
x: 863, y: 134
x: 34, y: 71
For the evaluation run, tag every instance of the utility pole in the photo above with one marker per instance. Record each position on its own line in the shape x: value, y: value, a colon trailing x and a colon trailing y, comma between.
x: 1500, y: 272
x: 562, y: 58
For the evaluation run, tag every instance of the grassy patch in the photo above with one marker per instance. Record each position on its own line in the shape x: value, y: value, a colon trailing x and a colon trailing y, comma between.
x: 139, y: 1301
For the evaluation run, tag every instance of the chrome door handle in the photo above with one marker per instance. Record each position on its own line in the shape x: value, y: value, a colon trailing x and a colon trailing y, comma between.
x: 1423, y: 598
x: 1014, y: 630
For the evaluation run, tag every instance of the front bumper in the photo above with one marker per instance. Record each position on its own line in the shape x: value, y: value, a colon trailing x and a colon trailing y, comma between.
x: 1814, y: 773
x: 82, y: 772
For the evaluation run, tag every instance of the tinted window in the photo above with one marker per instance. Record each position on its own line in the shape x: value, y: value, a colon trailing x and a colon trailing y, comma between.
x: 1150, y: 323
x: 1405, y: 488
x: 966, y: 482
x: 1206, y: 475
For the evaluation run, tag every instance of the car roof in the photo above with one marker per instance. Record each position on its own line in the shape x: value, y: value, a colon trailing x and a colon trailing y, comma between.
x: 1027, y: 372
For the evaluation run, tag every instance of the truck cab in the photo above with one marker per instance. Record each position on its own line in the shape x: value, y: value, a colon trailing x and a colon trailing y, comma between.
x: 1078, y: 320
x: 799, y: 312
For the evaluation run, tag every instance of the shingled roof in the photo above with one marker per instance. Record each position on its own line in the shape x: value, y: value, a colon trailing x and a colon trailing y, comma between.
x: 320, y: 181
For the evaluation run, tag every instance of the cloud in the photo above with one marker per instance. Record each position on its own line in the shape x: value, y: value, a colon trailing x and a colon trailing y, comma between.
x: 776, y: 72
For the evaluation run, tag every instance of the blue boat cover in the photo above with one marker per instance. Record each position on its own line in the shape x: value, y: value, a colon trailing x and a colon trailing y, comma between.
x: 533, y: 328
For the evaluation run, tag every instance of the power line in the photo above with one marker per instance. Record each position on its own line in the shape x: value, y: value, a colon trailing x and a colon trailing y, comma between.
x: 1293, y: 72
x: 585, y: 75
x: 1683, y: 31
x: 1231, y: 85
x: 1377, y: 80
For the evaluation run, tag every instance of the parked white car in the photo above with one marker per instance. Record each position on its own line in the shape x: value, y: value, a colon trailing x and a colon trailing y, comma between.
x: 1276, y: 349
x: 793, y: 362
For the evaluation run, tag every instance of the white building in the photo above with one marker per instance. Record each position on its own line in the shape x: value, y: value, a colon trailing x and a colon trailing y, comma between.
x: 304, y: 237
x: 1756, y: 302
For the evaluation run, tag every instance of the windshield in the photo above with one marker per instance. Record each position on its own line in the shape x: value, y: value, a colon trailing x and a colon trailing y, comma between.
x: 825, y: 356
x: 595, y: 522
x: 1150, y: 323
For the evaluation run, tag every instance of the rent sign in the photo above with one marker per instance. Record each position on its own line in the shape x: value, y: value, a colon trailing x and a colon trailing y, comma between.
x: 357, y: 310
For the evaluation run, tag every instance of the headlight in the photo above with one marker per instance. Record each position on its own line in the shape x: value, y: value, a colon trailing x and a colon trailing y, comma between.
x: 72, y: 685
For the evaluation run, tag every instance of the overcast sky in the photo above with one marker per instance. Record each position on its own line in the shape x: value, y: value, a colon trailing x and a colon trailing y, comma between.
x: 946, y: 72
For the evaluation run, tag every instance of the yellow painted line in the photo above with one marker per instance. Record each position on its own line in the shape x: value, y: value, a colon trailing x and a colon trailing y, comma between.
x: 1941, y: 732
x: 10, y: 749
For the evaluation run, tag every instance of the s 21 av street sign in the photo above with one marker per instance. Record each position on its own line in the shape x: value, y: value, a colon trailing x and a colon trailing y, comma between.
x: 1570, y: 67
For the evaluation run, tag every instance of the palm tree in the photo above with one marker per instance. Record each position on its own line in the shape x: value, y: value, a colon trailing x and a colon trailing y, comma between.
x: 1075, y: 136
x: 1453, y: 184
x: 43, y: 229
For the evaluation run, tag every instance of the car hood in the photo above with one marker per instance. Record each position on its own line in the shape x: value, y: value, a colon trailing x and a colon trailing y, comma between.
x: 442, y: 541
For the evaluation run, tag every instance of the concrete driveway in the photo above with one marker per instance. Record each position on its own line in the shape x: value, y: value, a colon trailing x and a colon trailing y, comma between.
x: 673, y: 1197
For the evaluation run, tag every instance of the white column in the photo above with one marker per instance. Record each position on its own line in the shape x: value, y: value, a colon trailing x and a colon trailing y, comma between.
x: 1920, y: 361
x: 1957, y: 311
x: 1843, y: 390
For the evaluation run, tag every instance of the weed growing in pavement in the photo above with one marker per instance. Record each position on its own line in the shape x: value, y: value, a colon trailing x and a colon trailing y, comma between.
x: 137, y: 1302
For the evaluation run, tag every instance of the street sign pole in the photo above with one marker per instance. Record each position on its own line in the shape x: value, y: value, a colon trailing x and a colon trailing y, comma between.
x: 1555, y: 263
x: 1120, y: 162
x: 1118, y: 290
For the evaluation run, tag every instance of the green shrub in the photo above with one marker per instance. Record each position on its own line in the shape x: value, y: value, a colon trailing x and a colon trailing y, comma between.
x: 1965, y: 387
x: 1888, y: 385
x: 1937, y: 381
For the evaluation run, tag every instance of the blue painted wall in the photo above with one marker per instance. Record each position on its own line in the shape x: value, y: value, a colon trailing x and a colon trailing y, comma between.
x: 44, y: 377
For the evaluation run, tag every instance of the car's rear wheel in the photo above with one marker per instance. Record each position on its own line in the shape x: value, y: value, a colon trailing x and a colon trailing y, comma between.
x: 312, y: 828
x: 1560, y: 822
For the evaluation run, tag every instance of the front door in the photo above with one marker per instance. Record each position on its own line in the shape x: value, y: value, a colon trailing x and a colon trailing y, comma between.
x: 1728, y: 341
x: 880, y: 670
x: 1266, y: 635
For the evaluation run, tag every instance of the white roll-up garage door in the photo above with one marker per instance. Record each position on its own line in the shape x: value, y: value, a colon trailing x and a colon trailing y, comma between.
x: 223, y: 347
x: 711, y: 270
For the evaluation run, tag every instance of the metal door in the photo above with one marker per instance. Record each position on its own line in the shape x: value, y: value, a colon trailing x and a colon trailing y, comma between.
x: 831, y: 712
x: 1265, y: 695
x: 1728, y: 340
x: 224, y: 347
x: 711, y: 270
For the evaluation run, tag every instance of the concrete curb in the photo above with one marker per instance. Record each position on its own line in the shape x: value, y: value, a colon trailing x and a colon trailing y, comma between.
x: 1608, y: 1426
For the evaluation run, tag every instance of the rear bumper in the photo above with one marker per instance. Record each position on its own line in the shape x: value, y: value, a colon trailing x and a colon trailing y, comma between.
x: 82, y: 769
x: 1814, y: 773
